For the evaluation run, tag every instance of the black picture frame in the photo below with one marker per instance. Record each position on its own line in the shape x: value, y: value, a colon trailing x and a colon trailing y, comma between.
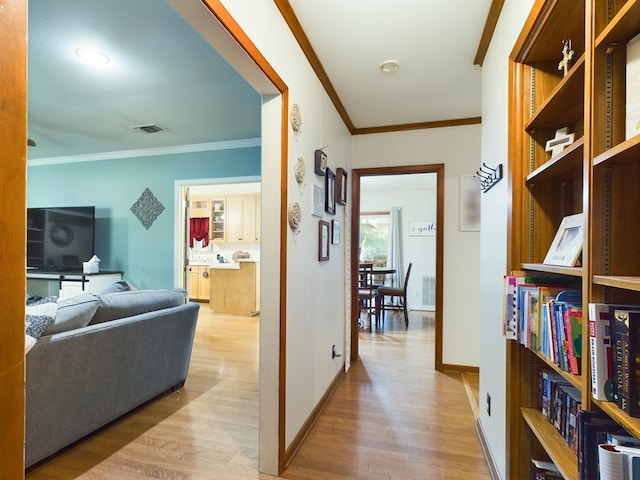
x: 341, y: 187
x: 324, y: 238
x: 320, y: 163
x: 330, y: 192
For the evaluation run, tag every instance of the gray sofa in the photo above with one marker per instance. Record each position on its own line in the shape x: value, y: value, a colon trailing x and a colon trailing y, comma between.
x: 86, y: 372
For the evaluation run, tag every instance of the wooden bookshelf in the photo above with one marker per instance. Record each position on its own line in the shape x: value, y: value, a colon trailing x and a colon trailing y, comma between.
x: 596, y: 175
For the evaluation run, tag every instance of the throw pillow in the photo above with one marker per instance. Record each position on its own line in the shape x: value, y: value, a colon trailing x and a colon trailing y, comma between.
x: 126, y: 304
x: 119, y: 286
x: 39, y: 315
x: 29, y: 343
x: 73, y: 312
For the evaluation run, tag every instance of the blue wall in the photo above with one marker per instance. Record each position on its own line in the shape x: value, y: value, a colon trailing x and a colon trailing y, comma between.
x: 122, y: 243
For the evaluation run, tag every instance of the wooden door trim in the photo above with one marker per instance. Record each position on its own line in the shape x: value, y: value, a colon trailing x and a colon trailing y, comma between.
x: 356, y: 175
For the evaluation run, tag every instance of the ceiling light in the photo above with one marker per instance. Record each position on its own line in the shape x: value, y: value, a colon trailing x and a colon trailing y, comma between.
x: 389, y: 66
x: 93, y: 57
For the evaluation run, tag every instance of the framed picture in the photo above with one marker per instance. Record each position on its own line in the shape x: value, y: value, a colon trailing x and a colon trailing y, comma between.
x: 567, y: 244
x: 324, y: 236
x: 330, y: 192
x: 335, y: 232
x: 321, y: 163
x: 318, y: 201
x: 341, y: 191
x: 469, y: 203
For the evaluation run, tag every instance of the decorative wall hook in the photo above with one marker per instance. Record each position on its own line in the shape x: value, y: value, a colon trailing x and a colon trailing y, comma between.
x: 488, y: 176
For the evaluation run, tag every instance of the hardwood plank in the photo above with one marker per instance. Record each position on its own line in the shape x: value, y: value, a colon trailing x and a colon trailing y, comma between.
x: 393, y: 416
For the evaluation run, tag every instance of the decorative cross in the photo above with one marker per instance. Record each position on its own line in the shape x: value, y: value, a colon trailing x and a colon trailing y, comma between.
x: 567, y: 55
x: 562, y: 140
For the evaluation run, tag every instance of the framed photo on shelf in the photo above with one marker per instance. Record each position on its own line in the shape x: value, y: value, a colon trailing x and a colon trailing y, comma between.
x: 324, y: 236
x: 321, y: 163
x: 318, y: 201
x: 330, y: 192
x: 567, y: 244
x: 341, y: 191
x: 335, y: 232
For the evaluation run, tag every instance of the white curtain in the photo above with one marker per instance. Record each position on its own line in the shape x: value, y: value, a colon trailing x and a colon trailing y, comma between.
x: 394, y: 255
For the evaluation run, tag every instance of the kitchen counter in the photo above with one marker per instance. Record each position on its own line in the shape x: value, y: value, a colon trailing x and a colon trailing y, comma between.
x: 235, y: 287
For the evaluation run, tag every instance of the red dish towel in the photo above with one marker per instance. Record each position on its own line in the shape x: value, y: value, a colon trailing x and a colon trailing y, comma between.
x: 199, y: 230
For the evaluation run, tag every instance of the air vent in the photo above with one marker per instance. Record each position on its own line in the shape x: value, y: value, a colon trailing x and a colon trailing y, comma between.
x: 148, y: 128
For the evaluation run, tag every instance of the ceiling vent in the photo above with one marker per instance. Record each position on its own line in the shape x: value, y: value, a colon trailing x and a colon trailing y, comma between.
x: 148, y: 128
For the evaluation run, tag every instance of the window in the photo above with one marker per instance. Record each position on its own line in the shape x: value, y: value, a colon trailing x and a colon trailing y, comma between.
x: 374, y: 237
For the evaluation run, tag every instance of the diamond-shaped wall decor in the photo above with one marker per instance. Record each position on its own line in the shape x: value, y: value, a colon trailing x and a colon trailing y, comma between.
x: 147, y: 208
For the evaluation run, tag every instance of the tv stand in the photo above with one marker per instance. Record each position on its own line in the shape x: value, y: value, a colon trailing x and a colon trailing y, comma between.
x: 65, y: 284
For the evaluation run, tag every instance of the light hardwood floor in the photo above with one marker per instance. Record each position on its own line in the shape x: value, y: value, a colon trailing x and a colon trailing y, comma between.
x: 392, y: 418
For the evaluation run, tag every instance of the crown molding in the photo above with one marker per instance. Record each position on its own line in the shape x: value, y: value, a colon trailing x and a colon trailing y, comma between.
x: 148, y: 152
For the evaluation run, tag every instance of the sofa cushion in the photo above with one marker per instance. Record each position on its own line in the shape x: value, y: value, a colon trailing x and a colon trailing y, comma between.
x: 39, y: 315
x: 74, y: 312
x: 126, y: 304
x: 119, y: 286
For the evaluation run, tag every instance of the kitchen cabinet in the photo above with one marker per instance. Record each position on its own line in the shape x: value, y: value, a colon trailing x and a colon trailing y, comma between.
x: 243, y: 218
x: 236, y: 290
x: 199, y: 282
x: 199, y: 207
x: 218, y: 224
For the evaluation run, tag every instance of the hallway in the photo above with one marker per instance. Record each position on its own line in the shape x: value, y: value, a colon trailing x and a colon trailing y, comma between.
x: 391, y: 418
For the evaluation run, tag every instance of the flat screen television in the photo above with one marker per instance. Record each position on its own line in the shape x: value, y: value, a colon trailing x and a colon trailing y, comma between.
x: 60, y: 238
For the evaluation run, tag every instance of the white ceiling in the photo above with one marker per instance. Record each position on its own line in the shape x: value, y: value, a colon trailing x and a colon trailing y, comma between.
x: 162, y: 72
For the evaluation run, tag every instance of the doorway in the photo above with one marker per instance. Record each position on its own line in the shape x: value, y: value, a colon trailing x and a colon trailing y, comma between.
x: 392, y: 172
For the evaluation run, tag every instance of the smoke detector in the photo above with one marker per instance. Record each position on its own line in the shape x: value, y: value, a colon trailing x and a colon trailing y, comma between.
x: 148, y: 128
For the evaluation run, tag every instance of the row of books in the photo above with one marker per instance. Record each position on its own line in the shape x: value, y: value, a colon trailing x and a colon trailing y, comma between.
x: 560, y: 403
x: 546, y: 316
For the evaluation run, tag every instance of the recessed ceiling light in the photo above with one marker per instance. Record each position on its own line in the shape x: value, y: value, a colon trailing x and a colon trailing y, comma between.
x: 389, y: 66
x: 92, y: 56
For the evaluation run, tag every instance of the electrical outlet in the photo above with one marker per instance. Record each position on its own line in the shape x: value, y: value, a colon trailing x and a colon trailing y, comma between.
x: 488, y: 404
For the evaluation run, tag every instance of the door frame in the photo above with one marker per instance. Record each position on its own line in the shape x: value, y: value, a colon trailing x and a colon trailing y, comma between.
x: 356, y: 175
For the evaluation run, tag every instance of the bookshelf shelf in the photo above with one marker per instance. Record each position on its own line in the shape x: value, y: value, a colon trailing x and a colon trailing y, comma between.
x: 570, y: 92
x: 625, y: 152
x: 623, y: 26
x: 566, y: 163
x: 552, y: 442
x: 624, y: 282
x: 632, y: 424
x: 541, y: 267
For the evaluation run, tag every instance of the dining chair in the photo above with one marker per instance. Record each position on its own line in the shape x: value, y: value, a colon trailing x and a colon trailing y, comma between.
x: 366, y: 290
x: 398, y: 292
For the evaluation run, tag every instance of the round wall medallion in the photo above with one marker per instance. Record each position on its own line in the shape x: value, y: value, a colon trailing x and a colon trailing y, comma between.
x: 295, y: 216
x: 296, y: 118
x: 300, y: 170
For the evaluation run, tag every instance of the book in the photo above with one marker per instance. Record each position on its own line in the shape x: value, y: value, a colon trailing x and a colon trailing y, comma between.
x: 573, y: 325
x: 545, y: 470
x: 594, y: 428
x: 626, y: 337
x: 600, y: 351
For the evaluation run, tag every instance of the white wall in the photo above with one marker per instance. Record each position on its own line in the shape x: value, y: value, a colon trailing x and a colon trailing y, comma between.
x: 458, y: 148
x: 493, y: 249
x: 417, y: 205
x: 317, y: 309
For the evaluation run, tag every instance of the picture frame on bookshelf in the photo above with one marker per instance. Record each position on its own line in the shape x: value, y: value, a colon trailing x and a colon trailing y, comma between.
x: 324, y: 237
x: 567, y: 244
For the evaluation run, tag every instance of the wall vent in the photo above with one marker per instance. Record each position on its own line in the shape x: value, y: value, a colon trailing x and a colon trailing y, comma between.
x: 148, y: 128
x: 429, y: 291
